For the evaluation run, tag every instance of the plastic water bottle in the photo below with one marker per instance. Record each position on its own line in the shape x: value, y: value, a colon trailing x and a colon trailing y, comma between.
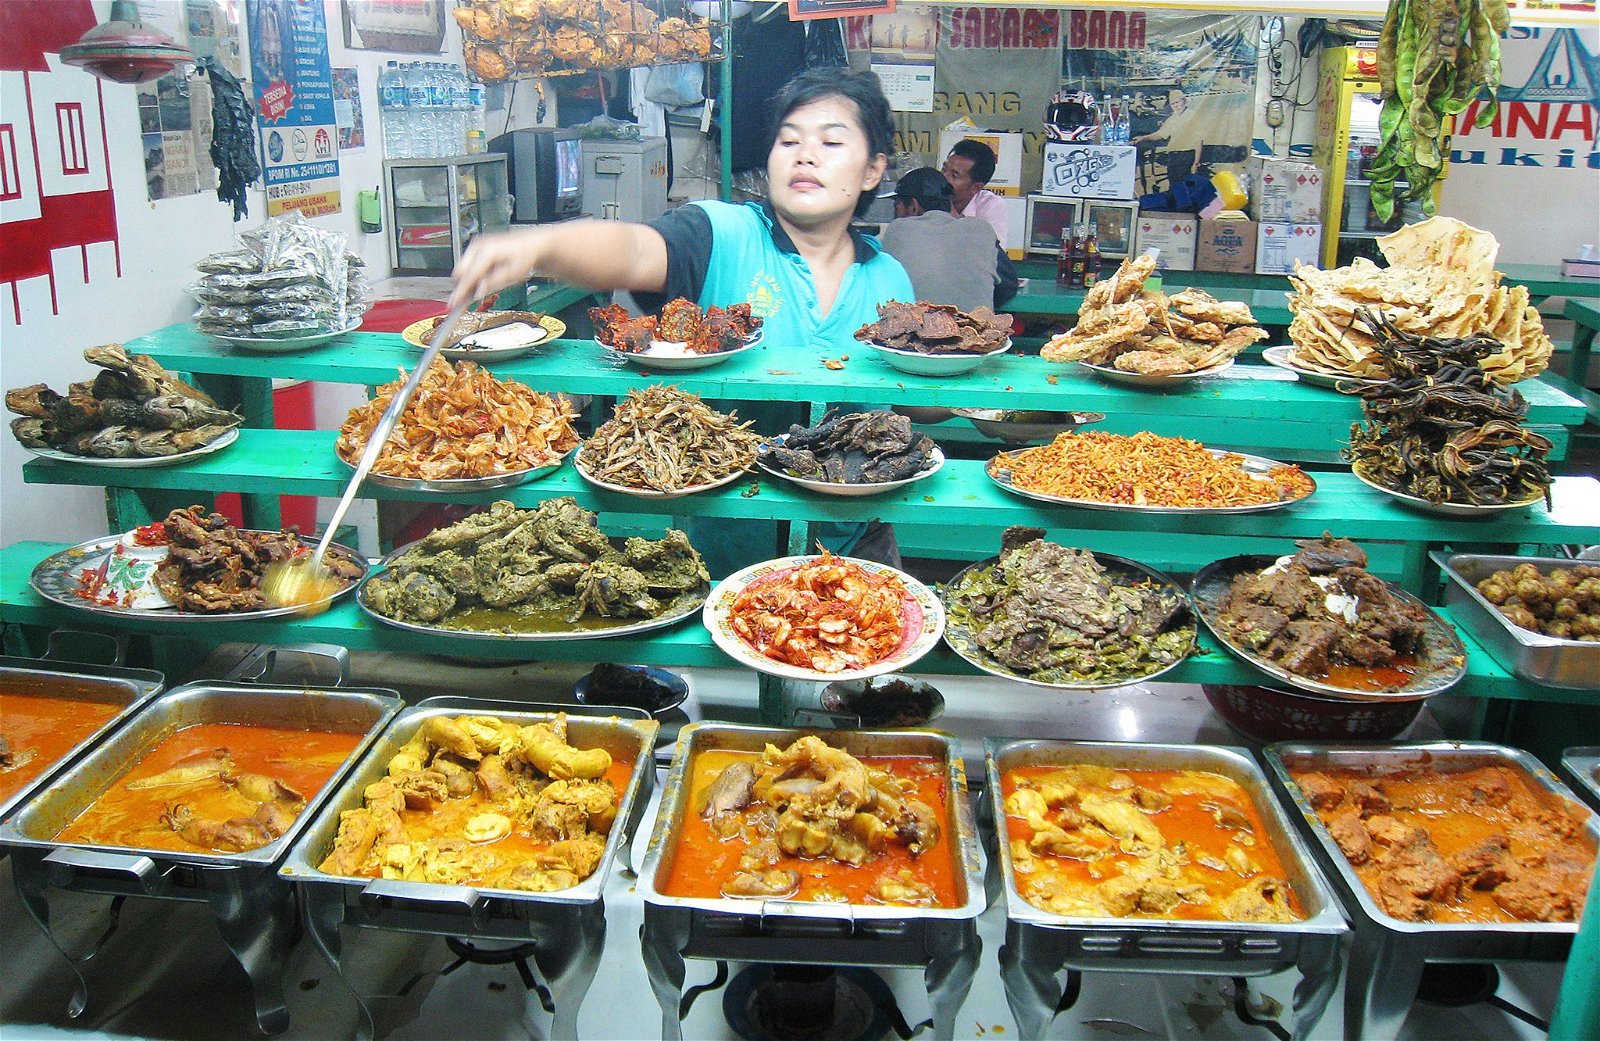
x: 392, y: 102
x: 460, y: 110
x: 477, y: 114
x: 416, y: 109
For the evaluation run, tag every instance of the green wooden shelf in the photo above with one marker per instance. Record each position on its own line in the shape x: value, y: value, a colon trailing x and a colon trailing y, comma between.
x: 683, y: 645
x: 770, y: 372
x: 303, y: 462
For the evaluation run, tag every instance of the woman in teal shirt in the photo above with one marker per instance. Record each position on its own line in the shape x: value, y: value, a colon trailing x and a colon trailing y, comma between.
x: 793, y: 258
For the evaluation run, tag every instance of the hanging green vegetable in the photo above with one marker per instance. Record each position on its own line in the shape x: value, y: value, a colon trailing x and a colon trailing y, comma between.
x: 1435, y: 57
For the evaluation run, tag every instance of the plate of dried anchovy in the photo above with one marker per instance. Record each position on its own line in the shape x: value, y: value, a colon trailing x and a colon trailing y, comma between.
x: 663, y: 443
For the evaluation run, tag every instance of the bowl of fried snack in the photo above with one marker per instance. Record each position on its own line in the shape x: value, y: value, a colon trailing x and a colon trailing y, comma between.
x: 465, y: 430
x: 926, y: 339
x: 682, y: 337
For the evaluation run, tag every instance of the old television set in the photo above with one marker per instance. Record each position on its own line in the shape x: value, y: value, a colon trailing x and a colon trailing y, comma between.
x: 545, y: 168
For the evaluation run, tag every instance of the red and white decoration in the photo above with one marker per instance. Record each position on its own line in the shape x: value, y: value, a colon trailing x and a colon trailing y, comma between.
x: 55, y: 162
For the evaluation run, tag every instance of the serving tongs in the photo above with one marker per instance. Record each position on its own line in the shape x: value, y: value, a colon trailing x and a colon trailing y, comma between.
x: 307, y: 583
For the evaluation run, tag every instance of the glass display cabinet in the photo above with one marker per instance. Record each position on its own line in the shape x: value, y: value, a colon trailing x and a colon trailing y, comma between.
x: 435, y: 207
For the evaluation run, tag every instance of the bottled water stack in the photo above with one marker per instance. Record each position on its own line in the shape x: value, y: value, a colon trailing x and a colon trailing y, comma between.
x: 396, y: 118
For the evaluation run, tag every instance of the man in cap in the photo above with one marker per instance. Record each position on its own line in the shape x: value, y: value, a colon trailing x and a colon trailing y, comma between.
x: 950, y: 261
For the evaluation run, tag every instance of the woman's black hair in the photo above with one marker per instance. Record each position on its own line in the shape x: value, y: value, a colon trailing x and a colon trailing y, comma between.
x: 862, y: 88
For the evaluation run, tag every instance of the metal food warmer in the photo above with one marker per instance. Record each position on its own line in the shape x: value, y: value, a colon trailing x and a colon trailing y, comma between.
x: 129, y: 689
x: 1546, y: 660
x: 1388, y: 954
x: 254, y: 909
x: 1040, y: 944
x: 556, y: 938
x: 1582, y: 765
x: 943, y: 942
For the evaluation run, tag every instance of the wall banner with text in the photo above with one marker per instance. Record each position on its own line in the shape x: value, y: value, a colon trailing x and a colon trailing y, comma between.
x: 293, y: 85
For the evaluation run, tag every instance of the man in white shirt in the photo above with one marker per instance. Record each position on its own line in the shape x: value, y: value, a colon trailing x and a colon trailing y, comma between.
x: 968, y: 168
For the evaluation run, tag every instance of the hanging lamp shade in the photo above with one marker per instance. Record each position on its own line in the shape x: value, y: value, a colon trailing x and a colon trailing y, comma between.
x: 124, y: 50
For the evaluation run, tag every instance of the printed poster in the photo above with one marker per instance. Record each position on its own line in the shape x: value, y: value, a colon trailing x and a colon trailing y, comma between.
x: 1191, y: 82
x: 293, y: 90
x: 347, y: 109
x: 175, y: 110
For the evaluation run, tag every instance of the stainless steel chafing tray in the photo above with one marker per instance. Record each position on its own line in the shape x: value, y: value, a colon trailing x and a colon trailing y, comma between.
x: 567, y: 927
x: 44, y: 678
x: 1546, y: 660
x: 944, y: 941
x: 1040, y: 944
x: 1388, y: 954
x: 1582, y: 765
x: 254, y: 909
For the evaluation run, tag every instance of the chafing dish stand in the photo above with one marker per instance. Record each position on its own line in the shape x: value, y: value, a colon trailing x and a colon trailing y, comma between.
x: 942, y: 941
x: 1039, y: 945
x: 555, y: 939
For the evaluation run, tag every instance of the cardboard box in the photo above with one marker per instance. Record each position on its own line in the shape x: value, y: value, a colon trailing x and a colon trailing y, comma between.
x: 1007, y: 147
x: 1226, y: 244
x: 1174, y: 234
x: 1080, y: 171
x: 1285, y: 190
x: 1280, y: 244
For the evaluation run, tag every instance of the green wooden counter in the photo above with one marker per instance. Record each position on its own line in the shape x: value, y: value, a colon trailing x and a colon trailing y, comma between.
x: 770, y: 373
x: 303, y: 462
x: 1586, y: 316
x: 683, y: 645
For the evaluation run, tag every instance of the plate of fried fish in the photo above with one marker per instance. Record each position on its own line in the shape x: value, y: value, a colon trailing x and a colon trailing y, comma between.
x: 133, y: 413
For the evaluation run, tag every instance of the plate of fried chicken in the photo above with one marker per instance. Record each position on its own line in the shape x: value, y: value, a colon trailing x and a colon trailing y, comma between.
x: 682, y: 337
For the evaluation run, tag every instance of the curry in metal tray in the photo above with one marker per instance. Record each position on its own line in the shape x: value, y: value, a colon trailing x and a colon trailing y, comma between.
x: 477, y: 800
x: 1480, y: 845
x: 813, y: 822
x: 214, y: 788
x: 37, y: 730
x: 1093, y: 842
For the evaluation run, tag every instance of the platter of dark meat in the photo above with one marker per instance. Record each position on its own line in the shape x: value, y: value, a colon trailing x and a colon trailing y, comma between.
x: 1068, y: 619
x: 1442, y: 436
x: 133, y: 413
x: 936, y: 339
x: 1319, y: 621
x: 860, y: 453
x: 192, y: 567
x: 683, y: 336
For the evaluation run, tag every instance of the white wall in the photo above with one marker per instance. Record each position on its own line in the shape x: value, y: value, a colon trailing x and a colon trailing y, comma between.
x: 160, y: 243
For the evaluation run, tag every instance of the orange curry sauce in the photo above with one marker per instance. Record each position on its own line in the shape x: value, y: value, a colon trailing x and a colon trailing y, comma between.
x: 700, y: 862
x: 46, y: 728
x: 1184, y: 821
x: 1443, y: 805
x: 448, y: 820
x: 301, y: 759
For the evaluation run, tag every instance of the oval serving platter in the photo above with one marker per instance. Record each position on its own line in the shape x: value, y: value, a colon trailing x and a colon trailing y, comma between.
x: 1441, y: 663
x: 961, y: 639
x: 922, y: 621
x: 59, y: 578
x: 1255, y: 465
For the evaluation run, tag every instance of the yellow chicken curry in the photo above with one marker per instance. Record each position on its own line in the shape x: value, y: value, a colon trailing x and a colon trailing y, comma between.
x: 475, y: 800
x: 813, y: 822
x: 214, y: 788
x: 1093, y: 842
x: 36, y: 731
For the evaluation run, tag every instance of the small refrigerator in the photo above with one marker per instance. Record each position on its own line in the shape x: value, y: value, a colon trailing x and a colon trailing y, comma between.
x: 1348, y: 104
x: 436, y: 206
x: 625, y: 180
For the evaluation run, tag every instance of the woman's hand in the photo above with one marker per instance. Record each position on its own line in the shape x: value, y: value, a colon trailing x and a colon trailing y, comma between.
x: 493, y: 262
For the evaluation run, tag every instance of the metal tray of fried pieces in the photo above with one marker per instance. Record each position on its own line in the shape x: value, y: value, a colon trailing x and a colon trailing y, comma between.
x: 1535, y: 657
x: 1582, y: 767
x: 1039, y: 943
x: 1388, y: 954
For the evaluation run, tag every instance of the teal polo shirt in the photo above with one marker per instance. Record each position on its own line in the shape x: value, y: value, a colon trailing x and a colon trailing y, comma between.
x: 721, y: 253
